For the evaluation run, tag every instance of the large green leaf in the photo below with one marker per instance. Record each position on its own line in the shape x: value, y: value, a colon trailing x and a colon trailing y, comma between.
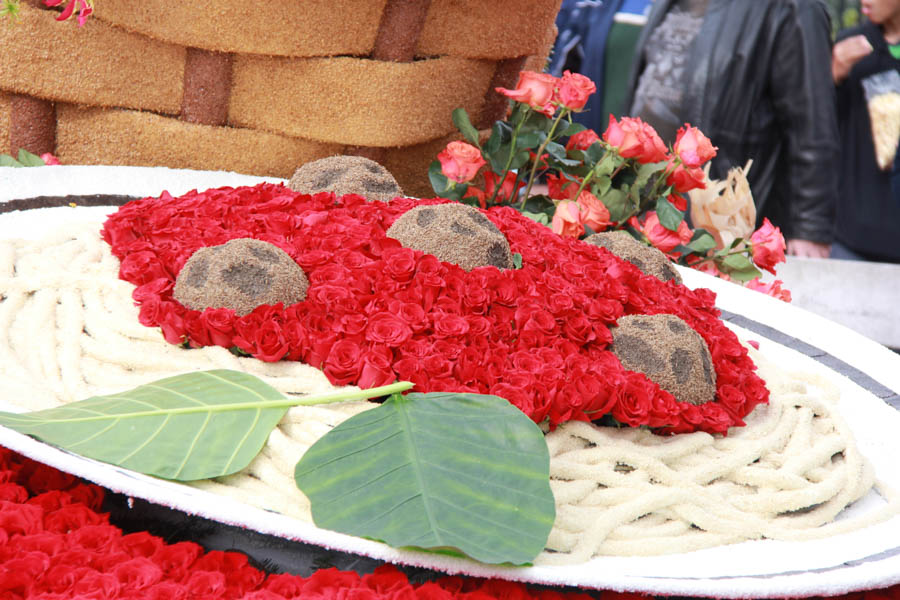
x: 187, y: 427
x: 192, y: 426
x: 456, y: 473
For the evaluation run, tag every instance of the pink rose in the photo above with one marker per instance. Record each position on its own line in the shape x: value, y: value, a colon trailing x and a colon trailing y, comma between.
x: 693, y: 147
x: 635, y: 139
x: 767, y: 245
x: 773, y: 289
x: 460, y: 161
x: 49, y: 159
x: 594, y: 213
x: 535, y: 90
x: 582, y: 140
x: 574, y: 90
x: 664, y: 239
x: 567, y: 220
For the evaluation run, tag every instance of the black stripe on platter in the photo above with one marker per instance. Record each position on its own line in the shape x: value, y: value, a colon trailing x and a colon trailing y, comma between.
x: 57, y: 201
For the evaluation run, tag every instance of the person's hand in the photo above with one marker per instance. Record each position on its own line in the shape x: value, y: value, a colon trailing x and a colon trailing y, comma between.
x: 808, y: 249
x: 847, y: 53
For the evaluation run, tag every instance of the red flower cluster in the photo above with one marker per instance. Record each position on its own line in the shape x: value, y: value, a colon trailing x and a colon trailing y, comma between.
x: 55, y: 545
x: 377, y: 312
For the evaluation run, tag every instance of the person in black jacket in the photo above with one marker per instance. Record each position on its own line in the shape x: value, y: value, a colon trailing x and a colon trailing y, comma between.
x: 868, y: 211
x: 754, y: 76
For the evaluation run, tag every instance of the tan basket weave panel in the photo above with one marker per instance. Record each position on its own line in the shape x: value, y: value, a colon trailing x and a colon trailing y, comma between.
x: 4, y: 123
x: 356, y: 101
x: 97, y: 64
x: 124, y: 137
x: 296, y: 28
x: 409, y: 165
x: 492, y: 29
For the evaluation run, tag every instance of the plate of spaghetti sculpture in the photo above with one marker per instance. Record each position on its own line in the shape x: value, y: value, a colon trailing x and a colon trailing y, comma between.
x: 783, y: 466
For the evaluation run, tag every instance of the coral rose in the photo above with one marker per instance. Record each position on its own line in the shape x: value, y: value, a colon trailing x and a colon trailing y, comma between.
x: 582, y: 140
x: 460, y: 161
x: 663, y: 238
x: 693, y: 147
x: 685, y: 179
x: 635, y: 139
x: 567, y: 220
x: 594, y: 213
x: 767, y: 246
x: 574, y: 90
x: 534, y: 89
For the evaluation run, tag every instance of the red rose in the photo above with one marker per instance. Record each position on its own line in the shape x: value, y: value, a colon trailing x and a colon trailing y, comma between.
x: 94, y: 584
x: 460, y: 161
x: 535, y: 90
x: 141, y: 543
x: 692, y: 147
x: 561, y: 187
x: 582, y: 141
x: 97, y: 538
x: 376, y: 368
x: 385, y: 328
x: 400, y: 263
x: 449, y: 325
x: 219, y: 324
x: 72, y: 517
x: 205, y: 583
x: 142, y: 267
x: 664, y: 239
x: 137, y: 573
x: 633, y: 400
x: 343, y: 362
x: 574, y: 90
x: 271, y: 343
x: 175, y: 559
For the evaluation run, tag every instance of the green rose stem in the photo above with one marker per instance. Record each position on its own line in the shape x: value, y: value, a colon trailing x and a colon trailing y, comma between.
x: 540, y: 151
x: 520, y: 111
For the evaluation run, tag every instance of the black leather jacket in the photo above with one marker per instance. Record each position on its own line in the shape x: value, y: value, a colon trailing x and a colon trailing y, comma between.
x: 758, y: 84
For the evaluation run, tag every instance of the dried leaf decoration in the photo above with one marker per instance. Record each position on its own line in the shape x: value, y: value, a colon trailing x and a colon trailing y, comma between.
x: 454, y: 473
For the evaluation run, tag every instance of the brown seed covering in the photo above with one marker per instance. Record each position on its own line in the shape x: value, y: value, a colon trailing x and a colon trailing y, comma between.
x: 32, y: 125
x: 241, y: 275
x: 669, y: 352
x: 649, y: 260
x: 95, y: 136
x: 454, y: 233
x: 207, y: 87
x: 346, y: 175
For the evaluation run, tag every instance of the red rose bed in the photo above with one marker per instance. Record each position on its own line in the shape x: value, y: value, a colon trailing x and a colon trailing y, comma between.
x: 378, y: 312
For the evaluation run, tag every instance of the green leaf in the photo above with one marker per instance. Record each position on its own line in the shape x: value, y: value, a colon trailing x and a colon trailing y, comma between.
x: 191, y: 426
x: 573, y: 128
x: 669, y: 216
x: 739, y: 267
x: 452, y: 473
x: 498, y: 132
x: 440, y: 183
x: 8, y: 161
x: 517, y: 259
x: 541, y: 218
x: 703, y: 243
x: 30, y: 160
x: 616, y: 203
x: 530, y: 140
x: 520, y: 160
x: 462, y: 122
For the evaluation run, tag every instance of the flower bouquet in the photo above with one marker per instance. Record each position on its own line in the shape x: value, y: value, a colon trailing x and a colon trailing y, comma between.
x: 626, y: 179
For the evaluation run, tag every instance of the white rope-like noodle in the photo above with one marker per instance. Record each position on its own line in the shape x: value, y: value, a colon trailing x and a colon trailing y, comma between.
x: 69, y: 330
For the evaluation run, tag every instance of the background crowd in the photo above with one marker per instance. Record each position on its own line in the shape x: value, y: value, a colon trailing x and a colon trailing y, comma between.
x: 807, y: 89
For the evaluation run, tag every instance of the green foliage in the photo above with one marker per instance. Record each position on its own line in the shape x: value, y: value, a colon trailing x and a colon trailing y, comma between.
x: 452, y: 473
x: 24, y: 159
